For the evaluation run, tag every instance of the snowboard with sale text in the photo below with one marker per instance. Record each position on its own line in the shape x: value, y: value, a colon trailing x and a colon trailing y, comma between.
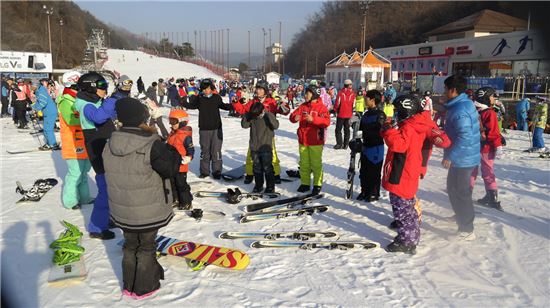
x: 282, y: 203
x: 200, y: 255
x: 330, y: 245
x: 294, y: 235
x: 37, y: 191
x: 302, y: 211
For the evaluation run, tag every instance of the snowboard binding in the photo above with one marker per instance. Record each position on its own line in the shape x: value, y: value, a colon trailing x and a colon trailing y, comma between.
x: 234, y: 196
x: 197, y: 214
x: 195, y: 265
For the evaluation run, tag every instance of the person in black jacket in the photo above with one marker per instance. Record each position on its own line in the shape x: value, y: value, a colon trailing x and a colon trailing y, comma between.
x: 210, y: 127
x: 140, y: 85
x: 372, y: 153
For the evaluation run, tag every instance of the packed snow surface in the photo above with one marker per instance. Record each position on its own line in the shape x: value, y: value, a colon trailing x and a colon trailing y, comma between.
x: 507, y: 265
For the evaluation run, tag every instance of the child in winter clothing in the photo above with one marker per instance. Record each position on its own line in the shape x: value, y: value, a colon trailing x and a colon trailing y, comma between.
x: 313, y: 117
x: 137, y: 164
x: 262, y: 125
x: 75, y: 188
x: 181, y: 138
x: 402, y: 170
x: 372, y: 152
x: 540, y: 118
x: 491, y: 146
x: 360, y: 101
x: 522, y: 107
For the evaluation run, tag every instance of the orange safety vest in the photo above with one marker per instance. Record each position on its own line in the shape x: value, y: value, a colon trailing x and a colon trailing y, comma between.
x: 72, y: 141
x: 176, y: 139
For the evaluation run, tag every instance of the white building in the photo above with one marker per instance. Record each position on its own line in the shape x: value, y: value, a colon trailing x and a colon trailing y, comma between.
x: 272, y: 77
x: 368, y: 69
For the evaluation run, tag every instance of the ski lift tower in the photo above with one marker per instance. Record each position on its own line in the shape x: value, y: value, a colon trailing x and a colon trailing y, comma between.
x: 95, y: 49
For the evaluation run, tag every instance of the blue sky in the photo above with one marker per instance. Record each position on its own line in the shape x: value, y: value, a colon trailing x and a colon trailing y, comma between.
x: 187, y: 16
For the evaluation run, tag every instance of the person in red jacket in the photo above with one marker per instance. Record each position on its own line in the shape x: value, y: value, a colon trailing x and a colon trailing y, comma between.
x: 491, y: 146
x: 270, y: 105
x: 343, y: 108
x: 313, y: 117
x: 181, y: 138
x: 402, y: 170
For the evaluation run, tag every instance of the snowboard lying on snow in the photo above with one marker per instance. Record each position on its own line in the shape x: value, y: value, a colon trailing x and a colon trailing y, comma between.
x: 37, y: 191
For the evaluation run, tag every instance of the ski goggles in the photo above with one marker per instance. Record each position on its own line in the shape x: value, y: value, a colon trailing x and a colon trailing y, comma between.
x: 102, y: 85
x: 173, y: 121
x: 127, y: 82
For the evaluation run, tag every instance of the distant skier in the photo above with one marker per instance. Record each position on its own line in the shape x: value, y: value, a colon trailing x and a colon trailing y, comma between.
x: 539, y: 124
x: 140, y: 85
x: 522, y: 108
x: 343, y: 108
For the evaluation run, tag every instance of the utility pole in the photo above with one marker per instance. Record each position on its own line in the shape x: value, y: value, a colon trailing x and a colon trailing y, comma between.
x: 60, y: 39
x: 364, y: 7
x: 263, y: 65
x: 228, y: 65
x: 270, y: 60
x: 248, y: 49
x: 211, y: 46
x: 49, y: 12
x: 280, y: 50
x: 223, y: 56
x: 195, y: 46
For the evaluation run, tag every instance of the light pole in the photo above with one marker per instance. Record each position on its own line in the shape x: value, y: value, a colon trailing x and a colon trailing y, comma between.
x: 364, y: 7
x: 248, y: 49
x: 109, y: 36
x: 60, y: 39
x: 48, y: 12
x: 228, y: 51
x: 263, y: 65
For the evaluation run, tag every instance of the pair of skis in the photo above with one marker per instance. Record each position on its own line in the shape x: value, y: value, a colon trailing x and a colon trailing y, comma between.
x: 295, y: 206
x: 355, y: 121
x: 235, y: 196
x: 298, y: 239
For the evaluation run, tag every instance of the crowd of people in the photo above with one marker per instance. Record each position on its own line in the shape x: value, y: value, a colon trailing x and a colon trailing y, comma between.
x: 141, y: 167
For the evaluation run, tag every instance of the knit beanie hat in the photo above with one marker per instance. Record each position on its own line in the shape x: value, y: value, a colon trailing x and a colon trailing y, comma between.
x: 131, y: 112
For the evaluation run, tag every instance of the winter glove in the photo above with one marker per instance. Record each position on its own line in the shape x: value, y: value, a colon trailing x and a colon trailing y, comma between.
x: 498, y: 153
x: 388, y: 125
x: 185, y: 160
x: 437, y: 140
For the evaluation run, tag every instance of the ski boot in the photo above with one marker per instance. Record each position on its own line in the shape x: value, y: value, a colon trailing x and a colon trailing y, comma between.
x: 316, y: 190
x: 399, y: 247
x: 248, y: 179
x: 493, y: 202
x: 485, y: 200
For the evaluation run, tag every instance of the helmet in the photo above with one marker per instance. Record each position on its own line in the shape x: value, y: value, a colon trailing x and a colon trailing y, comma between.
x: 332, y: 83
x: 161, y: 80
x: 406, y: 106
x: 483, y: 95
x: 179, y: 114
x: 70, y: 79
x: 205, y: 83
x: 263, y: 84
x: 427, y: 93
x: 314, y: 90
x: 92, y: 81
x: 47, y: 80
x: 125, y: 83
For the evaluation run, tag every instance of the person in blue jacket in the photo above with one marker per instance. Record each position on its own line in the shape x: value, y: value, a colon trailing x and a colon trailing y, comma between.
x: 390, y: 92
x: 522, y: 107
x: 46, y: 104
x: 96, y: 119
x: 462, y: 127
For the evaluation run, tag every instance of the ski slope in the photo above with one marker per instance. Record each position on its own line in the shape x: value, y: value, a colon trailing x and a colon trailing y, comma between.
x: 135, y: 63
x: 507, y: 265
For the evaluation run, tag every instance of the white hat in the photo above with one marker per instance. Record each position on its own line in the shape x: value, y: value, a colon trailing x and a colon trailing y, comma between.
x: 347, y: 82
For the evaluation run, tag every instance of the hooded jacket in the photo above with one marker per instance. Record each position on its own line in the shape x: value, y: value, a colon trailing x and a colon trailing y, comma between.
x: 262, y: 131
x: 431, y: 132
x: 270, y: 105
x: 136, y: 166
x: 402, y: 167
x: 489, y: 130
x: 311, y: 133
x: 209, y: 110
x: 44, y: 102
x: 462, y: 127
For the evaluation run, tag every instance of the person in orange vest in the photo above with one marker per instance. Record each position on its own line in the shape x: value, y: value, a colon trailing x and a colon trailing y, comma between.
x: 75, y: 189
x: 181, y: 138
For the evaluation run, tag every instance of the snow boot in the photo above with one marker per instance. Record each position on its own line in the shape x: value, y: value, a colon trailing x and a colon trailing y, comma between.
x: 393, y: 225
x: 316, y: 190
x: 337, y: 147
x: 303, y: 188
x: 269, y: 190
x: 362, y: 196
x: 248, y: 179
x: 399, y: 247
x: 485, y: 200
x: 494, y: 202
x: 277, y: 179
x: 104, y: 235
x: 217, y: 176
x: 372, y: 198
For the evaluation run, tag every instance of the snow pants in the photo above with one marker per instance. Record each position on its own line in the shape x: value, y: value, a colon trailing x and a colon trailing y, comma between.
x: 370, y: 175
x: 211, y: 151
x: 342, y: 123
x: 181, y: 189
x: 49, y: 125
x: 99, y: 220
x: 406, y: 216
x: 5, y: 104
x: 263, y: 167
x: 522, y: 122
x: 460, y: 196
x: 538, y: 140
x: 141, y: 272
x: 75, y: 190
x: 20, y: 113
x: 487, y: 172
x: 311, y: 161
x: 276, y: 162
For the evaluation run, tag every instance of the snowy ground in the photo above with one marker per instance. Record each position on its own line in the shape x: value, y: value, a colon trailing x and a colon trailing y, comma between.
x: 508, y: 264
